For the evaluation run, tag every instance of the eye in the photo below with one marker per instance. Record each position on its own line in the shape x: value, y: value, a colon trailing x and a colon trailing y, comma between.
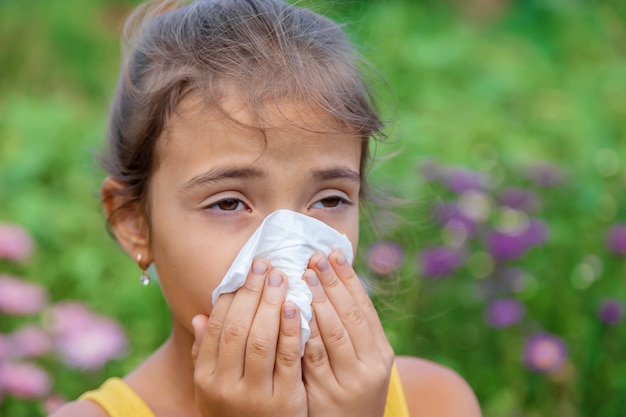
x: 331, y: 202
x: 228, y: 204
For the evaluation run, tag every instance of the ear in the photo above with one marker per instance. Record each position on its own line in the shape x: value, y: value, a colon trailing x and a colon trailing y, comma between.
x: 128, y: 222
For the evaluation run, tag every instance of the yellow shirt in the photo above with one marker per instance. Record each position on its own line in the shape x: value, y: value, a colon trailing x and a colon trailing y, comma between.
x: 119, y: 400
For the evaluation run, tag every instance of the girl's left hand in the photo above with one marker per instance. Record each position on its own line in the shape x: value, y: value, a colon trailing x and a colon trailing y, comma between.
x: 347, y: 360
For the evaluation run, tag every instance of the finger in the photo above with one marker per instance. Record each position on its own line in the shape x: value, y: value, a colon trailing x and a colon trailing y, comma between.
x: 288, y: 370
x: 208, y: 350
x: 198, y: 323
x: 315, y: 364
x: 353, y: 284
x: 334, y: 335
x: 350, y: 313
x: 260, y: 354
x: 239, y: 320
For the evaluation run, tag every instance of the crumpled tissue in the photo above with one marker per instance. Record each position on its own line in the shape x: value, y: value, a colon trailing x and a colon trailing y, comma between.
x: 287, y: 239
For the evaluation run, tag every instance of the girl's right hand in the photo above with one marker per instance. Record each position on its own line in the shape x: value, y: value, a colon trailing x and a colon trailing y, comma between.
x: 247, y: 353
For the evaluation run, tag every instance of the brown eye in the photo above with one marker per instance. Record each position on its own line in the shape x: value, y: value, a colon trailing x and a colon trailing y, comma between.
x: 331, y: 202
x: 229, y: 204
x: 334, y: 202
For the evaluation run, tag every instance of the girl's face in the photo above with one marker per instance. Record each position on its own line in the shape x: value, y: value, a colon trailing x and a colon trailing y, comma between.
x: 216, y: 181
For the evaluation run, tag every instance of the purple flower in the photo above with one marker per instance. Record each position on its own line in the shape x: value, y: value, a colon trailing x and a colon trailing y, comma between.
x: 544, y: 352
x: 450, y: 213
x: 31, y: 342
x: 504, y: 312
x: 506, y: 246
x: 616, y: 239
x: 545, y: 175
x: 536, y: 233
x: 503, y: 245
x: 20, y: 298
x: 84, y: 339
x: 24, y: 380
x: 431, y: 171
x: 518, y: 199
x: 440, y: 261
x: 461, y: 180
x: 385, y: 258
x: 611, y: 311
x: 15, y: 243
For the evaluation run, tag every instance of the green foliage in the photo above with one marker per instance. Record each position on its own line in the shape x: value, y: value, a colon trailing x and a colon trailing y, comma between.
x: 493, y: 91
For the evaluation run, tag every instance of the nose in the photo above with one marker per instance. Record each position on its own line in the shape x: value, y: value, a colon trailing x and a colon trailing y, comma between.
x: 294, y: 208
x: 286, y: 195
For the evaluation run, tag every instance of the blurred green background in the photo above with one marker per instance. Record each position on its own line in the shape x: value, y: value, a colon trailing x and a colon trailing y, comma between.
x: 490, y: 85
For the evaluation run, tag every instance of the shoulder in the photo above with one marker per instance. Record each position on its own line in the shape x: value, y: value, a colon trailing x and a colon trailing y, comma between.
x: 82, y: 408
x: 434, y: 390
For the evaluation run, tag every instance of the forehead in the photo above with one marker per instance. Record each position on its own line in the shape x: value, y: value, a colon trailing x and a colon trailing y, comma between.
x: 271, y: 115
x: 284, y: 129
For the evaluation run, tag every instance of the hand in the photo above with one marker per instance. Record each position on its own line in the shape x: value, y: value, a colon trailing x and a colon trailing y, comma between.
x: 347, y: 361
x: 247, y: 353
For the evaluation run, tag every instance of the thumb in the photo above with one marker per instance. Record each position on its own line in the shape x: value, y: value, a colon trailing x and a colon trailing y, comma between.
x: 198, y: 323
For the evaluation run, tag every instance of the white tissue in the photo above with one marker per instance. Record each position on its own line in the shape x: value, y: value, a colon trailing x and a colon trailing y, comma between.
x: 287, y: 240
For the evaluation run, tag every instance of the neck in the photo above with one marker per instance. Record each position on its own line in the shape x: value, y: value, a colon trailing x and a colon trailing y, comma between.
x: 165, y: 380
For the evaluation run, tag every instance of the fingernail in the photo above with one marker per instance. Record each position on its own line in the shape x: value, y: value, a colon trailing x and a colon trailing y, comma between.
x: 275, y: 279
x: 323, y: 264
x: 259, y: 267
x: 289, y: 311
x: 341, y: 259
x: 311, y: 279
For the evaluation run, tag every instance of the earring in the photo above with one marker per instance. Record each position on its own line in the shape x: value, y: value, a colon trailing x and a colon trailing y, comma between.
x: 145, y: 278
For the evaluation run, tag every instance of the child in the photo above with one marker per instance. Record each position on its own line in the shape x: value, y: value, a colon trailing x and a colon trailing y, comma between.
x: 226, y: 111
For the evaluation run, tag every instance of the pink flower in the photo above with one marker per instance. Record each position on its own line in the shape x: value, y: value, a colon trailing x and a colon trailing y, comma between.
x: 31, y: 342
x: 544, y: 352
x: 24, y: 380
x: 84, y: 339
x: 385, y: 258
x: 69, y: 317
x: 92, y: 348
x: 6, y: 348
x: 15, y: 243
x: 20, y: 298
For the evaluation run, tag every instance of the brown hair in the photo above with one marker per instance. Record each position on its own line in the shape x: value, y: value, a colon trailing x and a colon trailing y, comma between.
x: 266, y: 49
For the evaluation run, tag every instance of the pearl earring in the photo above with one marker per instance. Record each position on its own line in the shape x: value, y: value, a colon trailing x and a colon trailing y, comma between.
x: 145, y: 278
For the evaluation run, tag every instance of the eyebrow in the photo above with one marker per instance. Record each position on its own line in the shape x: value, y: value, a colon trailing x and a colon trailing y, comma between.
x: 222, y: 174
x: 336, y: 174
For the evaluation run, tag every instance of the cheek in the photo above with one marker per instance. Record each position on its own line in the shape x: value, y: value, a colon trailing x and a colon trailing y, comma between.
x: 191, y: 259
x: 189, y: 269
x: 192, y: 253
x: 350, y: 227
